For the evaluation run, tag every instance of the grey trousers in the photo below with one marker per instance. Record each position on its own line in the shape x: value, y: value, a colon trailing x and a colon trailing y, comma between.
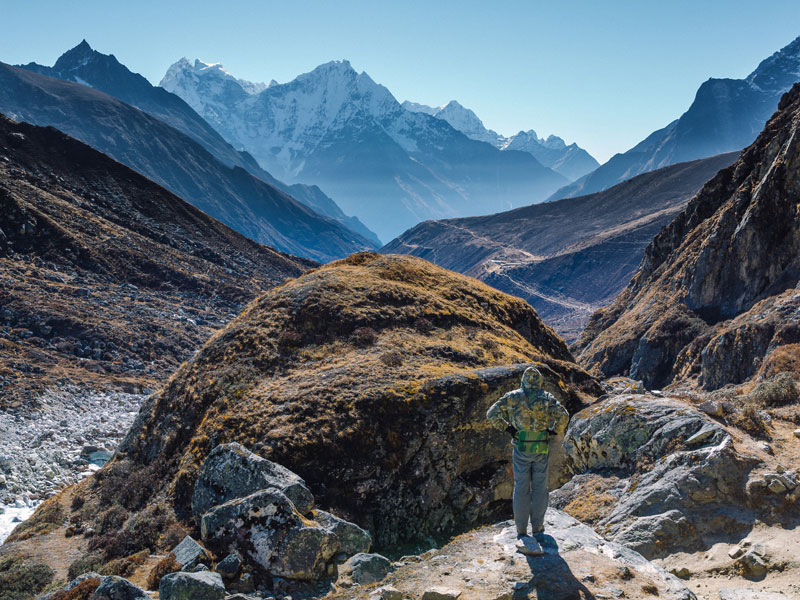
x: 530, y: 490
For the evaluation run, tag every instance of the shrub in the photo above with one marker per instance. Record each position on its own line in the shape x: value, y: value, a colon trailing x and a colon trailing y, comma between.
x: 86, y: 564
x: 82, y: 591
x: 363, y: 337
x: 392, y: 358
x: 125, y: 567
x: 173, y: 536
x: 776, y: 391
x: 77, y: 503
x: 749, y: 420
x: 111, y: 519
x: 423, y: 325
x: 22, y: 577
x: 165, y: 566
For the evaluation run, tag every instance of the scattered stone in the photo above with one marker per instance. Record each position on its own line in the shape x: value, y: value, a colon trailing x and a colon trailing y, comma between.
x: 278, y: 539
x: 231, y: 471
x: 736, y: 552
x: 797, y: 433
x: 229, y: 566
x: 117, y: 588
x: 749, y: 594
x: 753, y: 564
x: 441, y: 593
x: 366, y: 568
x: 188, y: 554
x: 713, y: 408
x: 387, y: 593
x: 352, y: 538
x: 681, y: 573
x: 191, y: 586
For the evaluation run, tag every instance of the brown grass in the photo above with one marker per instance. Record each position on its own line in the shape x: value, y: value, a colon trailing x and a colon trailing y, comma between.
x: 165, y: 566
x: 48, y: 517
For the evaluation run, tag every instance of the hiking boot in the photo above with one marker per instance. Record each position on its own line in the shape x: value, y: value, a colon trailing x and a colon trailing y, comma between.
x: 529, y: 546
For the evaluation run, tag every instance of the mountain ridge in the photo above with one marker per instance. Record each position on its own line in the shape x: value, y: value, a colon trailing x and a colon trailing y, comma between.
x: 170, y: 158
x: 84, y: 65
x: 725, y: 115
x: 343, y: 131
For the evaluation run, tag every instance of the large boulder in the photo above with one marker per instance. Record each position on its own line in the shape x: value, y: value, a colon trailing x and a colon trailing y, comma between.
x: 366, y: 568
x: 204, y: 585
x: 266, y: 529
x: 231, y: 471
x: 352, y: 538
x: 666, y: 475
x: 189, y: 554
x: 117, y: 588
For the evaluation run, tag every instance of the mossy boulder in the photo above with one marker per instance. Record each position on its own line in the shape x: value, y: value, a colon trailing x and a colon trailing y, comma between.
x: 401, y: 447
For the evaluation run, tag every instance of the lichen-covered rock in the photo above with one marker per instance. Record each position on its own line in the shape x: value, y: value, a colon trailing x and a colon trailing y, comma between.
x: 231, y: 471
x: 191, y: 586
x: 117, y: 588
x: 268, y: 532
x: 366, y: 568
x: 229, y: 566
x: 352, y: 538
x: 677, y: 480
x: 189, y: 554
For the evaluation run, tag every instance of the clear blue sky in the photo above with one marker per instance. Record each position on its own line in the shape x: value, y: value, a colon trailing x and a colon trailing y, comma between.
x: 601, y: 73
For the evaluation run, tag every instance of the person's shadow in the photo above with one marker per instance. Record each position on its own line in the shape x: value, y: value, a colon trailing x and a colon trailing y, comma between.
x: 551, y: 577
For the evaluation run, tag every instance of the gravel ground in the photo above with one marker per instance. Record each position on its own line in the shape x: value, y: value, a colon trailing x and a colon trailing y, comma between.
x: 69, y: 437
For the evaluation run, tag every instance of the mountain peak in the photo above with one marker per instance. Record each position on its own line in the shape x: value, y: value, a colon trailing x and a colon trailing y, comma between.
x: 779, y: 71
x: 75, y: 57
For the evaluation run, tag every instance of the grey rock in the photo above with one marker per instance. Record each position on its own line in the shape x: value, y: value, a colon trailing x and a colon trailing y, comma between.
x: 191, y: 586
x: 229, y: 566
x: 682, y: 477
x: 753, y: 564
x: 117, y: 588
x: 366, y: 568
x: 231, y: 471
x: 352, y: 538
x: 189, y: 553
x: 276, y: 538
x: 387, y: 592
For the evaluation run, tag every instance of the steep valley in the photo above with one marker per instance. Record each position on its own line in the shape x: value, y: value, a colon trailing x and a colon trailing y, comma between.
x: 569, y: 257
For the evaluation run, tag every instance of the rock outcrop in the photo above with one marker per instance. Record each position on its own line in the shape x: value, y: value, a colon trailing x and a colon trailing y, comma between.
x: 714, y: 299
x: 483, y: 564
x: 369, y: 378
x: 656, y: 475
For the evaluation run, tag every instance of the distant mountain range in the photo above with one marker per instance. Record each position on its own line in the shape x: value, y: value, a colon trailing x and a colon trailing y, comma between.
x: 726, y: 115
x: 104, y: 72
x: 568, y: 257
x: 339, y: 129
x: 571, y: 160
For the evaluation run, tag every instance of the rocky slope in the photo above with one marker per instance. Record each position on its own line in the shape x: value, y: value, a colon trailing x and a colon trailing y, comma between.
x: 107, y: 278
x: 714, y: 300
x: 369, y: 377
x: 569, y: 257
x: 339, y: 129
x: 571, y: 160
x: 726, y: 115
x: 172, y: 159
x: 104, y: 72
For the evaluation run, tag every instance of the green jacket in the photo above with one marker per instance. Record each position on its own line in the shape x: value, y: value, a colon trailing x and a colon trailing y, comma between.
x: 528, y: 409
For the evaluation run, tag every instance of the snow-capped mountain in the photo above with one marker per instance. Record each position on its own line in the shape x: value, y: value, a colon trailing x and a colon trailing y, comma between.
x: 726, y: 115
x: 104, y: 72
x: 341, y: 130
x: 570, y: 161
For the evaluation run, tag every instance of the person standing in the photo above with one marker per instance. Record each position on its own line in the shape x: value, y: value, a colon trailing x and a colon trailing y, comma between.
x: 533, y: 415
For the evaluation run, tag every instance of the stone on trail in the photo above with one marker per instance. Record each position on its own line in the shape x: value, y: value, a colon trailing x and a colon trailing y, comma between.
x: 118, y: 588
x: 352, y: 538
x: 529, y: 546
x: 191, y: 586
x: 366, y: 568
x: 278, y: 539
x: 441, y: 593
x: 189, y: 554
x: 231, y: 471
x: 749, y: 594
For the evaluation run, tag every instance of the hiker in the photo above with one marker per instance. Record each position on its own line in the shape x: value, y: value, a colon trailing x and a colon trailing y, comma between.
x: 533, y: 415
